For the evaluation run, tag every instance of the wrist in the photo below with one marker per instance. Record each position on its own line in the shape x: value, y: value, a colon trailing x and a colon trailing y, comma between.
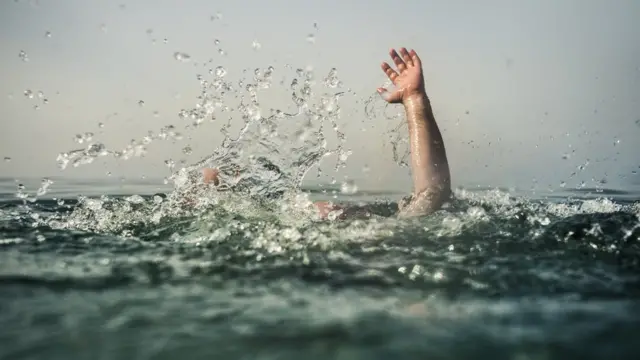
x: 418, y: 110
x: 416, y: 98
x: 416, y: 104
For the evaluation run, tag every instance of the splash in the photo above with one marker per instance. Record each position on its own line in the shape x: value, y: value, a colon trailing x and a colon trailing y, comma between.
x: 270, y: 152
x: 264, y: 156
x: 292, y: 141
x: 398, y: 136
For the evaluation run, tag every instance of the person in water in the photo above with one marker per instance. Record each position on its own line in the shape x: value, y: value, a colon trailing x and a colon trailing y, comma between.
x: 429, y: 166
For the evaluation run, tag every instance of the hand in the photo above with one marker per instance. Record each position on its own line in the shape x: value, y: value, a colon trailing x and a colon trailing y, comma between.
x: 408, y: 79
x: 211, y: 175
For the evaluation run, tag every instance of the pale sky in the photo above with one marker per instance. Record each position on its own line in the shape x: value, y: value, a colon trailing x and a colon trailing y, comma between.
x: 515, y: 84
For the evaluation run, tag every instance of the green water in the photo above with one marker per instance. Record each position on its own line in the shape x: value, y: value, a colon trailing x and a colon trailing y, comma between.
x: 494, y: 275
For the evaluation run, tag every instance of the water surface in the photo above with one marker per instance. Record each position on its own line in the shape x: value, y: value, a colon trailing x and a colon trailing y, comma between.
x: 496, y: 275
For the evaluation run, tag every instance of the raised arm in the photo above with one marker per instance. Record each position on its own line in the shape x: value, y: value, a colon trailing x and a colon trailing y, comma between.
x: 429, y: 166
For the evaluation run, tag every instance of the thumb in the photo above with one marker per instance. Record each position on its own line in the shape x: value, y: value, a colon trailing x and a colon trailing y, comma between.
x: 391, y: 97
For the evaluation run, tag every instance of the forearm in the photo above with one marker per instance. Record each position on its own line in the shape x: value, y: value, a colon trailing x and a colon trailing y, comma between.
x: 429, y: 166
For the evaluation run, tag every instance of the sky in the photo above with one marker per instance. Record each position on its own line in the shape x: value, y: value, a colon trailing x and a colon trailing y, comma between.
x: 525, y: 92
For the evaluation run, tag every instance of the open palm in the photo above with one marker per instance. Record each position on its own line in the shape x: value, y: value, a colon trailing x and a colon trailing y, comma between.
x: 407, y: 79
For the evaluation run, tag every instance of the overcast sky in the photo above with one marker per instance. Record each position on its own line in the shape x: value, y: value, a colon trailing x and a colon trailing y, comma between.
x: 524, y: 91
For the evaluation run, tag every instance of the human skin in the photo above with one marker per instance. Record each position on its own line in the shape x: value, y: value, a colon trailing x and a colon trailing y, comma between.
x: 429, y: 165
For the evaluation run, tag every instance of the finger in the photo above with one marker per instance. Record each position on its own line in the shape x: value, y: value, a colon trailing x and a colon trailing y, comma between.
x: 415, y: 58
x: 406, y: 57
x: 390, y: 97
x: 398, y: 61
x: 391, y: 74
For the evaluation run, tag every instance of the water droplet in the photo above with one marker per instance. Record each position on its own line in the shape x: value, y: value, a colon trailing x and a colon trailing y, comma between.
x: 156, y: 113
x: 332, y: 80
x: 252, y: 112
x: 7, y: 159
x: 28, y: 93
x: 566, y: 156
x: 221, y: 52
x: 170, y: 163
x: 344, y: 155
x: 616, y: 142
x: 47, y: 34
x: 165, y: 41
x: 83, y: 138
x: 216, y: 42
x: 44, y: 187
x: 40, y: 95
x: 100, y: 125
x: 23, y: 56
x: 348, y: 187
x: 563, y: 184
x: 256, y: 45
x: 220, y: 71
x: 187, y: 150
x: 311, y: 38
x: 141, y: 103
x: 315, y: 25
x: 181, y: 56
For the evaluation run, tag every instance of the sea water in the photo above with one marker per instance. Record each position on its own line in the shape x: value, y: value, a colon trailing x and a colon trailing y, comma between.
x: 170, y: 268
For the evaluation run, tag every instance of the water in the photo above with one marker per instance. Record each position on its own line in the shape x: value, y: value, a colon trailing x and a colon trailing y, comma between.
x: 493, y: 275
x: 169, y: 268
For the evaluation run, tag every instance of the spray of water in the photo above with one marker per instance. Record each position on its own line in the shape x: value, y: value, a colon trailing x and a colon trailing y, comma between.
x: 263, y: 159
x: 264, y: 156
